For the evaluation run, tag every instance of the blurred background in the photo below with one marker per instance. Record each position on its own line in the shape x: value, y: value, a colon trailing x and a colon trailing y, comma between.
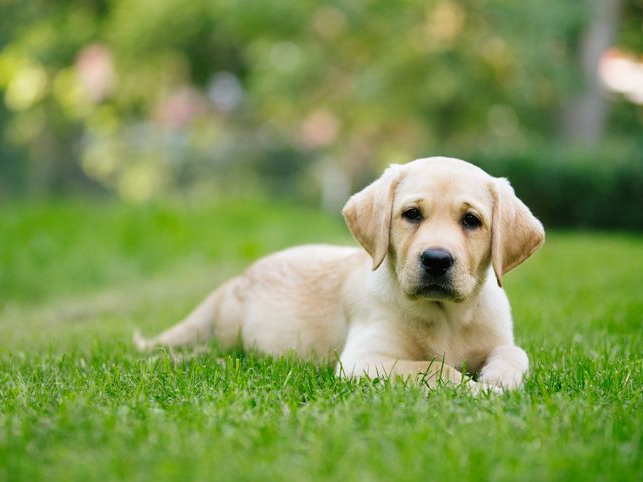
x: 306, y: 100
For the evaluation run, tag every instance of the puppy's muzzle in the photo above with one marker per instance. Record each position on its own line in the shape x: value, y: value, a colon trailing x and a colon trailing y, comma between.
x: 436, y: 262
x: 436, y: 274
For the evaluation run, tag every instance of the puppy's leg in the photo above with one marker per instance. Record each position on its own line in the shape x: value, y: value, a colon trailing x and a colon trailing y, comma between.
x: 217, y: 316
x: 376, y: 349
x: 429, y: 373
x: 505, y: 367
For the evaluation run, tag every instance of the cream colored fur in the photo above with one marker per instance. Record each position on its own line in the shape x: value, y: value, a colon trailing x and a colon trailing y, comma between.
x: 363, y: 305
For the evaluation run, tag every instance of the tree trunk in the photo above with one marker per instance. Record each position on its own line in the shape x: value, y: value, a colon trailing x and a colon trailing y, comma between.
x: 585, y: 116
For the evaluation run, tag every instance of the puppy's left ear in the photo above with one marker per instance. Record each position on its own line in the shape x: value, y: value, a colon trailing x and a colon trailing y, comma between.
x: 368, y: 214
x: 516, y: 234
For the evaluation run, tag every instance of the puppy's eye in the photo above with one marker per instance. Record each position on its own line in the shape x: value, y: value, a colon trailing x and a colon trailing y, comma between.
x: 412, y: 215
x: 471, y: 221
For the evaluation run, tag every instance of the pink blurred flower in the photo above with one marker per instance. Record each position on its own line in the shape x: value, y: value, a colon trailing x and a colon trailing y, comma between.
x: 320, y: 128
x: 180, y: 107
x: 95, y: 70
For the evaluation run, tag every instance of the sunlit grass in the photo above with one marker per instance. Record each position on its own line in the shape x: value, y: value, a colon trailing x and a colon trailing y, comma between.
x: 78, y: 403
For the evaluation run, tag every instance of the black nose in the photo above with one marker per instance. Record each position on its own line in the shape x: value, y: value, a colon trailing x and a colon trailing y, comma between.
x: 436, y: 260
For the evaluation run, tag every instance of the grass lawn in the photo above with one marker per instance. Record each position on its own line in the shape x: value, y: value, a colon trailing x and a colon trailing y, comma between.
x: 78, y: 403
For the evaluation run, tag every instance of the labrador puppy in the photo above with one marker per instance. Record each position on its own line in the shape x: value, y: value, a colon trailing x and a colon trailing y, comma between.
x: 423, y: 299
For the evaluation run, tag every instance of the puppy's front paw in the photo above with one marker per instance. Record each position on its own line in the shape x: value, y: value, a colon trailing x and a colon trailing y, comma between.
x: 506, y: 366
x: 480, y: 388
x: 501, y: 374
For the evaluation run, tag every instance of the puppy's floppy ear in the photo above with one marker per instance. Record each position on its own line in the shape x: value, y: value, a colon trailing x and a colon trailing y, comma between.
x: 515, y: 233
x: 368, y: 214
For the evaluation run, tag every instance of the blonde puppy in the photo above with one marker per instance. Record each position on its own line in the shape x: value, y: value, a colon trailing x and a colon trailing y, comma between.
x: 423, y: 298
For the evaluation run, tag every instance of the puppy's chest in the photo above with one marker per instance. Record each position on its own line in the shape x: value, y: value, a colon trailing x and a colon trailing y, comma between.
x: 457, y: 345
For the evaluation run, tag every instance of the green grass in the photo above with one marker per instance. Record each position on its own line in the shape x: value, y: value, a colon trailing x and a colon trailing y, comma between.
x: 78, y: 403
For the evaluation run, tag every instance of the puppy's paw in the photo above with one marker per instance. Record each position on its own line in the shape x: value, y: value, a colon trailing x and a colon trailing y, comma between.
x: 500, y: 374
x: 506, y: 366
x: 479, y: 388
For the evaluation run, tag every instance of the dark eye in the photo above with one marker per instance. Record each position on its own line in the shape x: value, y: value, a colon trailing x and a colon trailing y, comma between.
x: 471, y: 221
x: 413, y: 215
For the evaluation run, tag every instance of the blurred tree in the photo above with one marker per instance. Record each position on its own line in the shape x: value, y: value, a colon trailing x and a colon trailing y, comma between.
x: 586, y: 113
x: 145, y: 96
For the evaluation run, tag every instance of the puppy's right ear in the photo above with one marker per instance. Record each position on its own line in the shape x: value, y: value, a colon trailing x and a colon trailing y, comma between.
x: 368, y: 214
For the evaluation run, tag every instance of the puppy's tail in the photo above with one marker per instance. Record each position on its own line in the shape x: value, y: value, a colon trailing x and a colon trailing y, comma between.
x: 217, y: 315
x: 141, y: 343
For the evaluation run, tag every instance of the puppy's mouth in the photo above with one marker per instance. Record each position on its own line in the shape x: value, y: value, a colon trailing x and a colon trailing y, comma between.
x: 436, y: 291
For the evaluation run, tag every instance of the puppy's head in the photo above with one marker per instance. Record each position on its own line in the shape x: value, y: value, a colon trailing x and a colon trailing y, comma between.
x: 441, y: 222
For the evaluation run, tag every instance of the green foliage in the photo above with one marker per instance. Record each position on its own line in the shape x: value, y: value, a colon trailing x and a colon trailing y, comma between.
x: 99, y: 90
x: 78, y: 403
x: 581, y: 188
